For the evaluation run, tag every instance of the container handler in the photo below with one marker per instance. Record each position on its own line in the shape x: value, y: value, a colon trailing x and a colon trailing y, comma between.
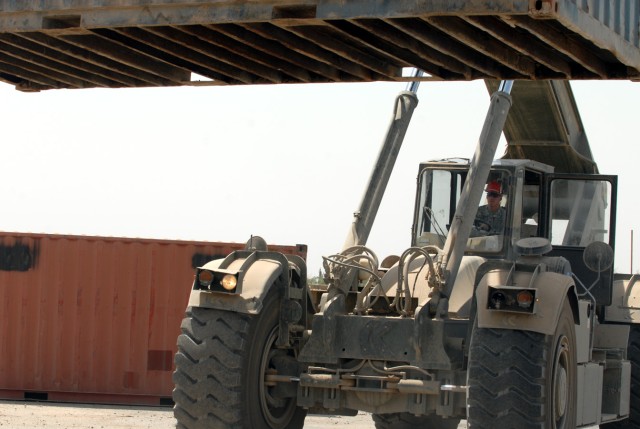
x: 522, y: 327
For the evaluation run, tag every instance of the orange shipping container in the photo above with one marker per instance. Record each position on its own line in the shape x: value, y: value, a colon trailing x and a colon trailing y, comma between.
x: 94, y: 319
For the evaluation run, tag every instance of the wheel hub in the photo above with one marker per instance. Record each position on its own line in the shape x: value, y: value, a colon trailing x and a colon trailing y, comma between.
x: 561, y: 392
x: 561, y: 383
x: 276, y: 411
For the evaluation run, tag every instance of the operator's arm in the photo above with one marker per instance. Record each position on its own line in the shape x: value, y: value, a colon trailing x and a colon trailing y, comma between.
x: 482, y: 222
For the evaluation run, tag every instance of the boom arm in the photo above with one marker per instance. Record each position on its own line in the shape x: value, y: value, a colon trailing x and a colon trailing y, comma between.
x: 475, y: 183
x: 405, y: 104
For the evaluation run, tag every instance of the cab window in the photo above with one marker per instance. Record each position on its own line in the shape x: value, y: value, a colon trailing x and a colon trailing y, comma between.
x: 580, y: 212
x: 439, y: 193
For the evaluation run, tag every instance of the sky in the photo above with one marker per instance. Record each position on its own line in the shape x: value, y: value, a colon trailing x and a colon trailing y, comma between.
x: 287, y: 162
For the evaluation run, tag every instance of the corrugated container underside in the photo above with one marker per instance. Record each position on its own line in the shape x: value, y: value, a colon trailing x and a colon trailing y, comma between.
x: 128, y: 43
x: 93, y: 319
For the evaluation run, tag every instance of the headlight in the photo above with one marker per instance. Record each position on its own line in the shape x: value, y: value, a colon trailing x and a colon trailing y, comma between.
x: 229, y: 282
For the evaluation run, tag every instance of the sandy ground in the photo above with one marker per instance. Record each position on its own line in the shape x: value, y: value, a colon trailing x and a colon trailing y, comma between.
x: 32, y: 415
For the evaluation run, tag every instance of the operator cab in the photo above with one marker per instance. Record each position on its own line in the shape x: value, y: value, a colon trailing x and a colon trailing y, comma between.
x: 518, y: 184
x: 571, y: 210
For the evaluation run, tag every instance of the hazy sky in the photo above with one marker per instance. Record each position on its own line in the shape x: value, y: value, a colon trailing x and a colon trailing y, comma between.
x: 286, y: 162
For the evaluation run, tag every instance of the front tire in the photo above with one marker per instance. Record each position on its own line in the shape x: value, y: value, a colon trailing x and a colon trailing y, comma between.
x: 409, y: 421
x: 221, y: 364
x: 523, y: 380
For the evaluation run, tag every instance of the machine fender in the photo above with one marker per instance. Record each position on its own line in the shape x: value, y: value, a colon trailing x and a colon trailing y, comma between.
x: 258, y: 273
x: 625, y: 304
x: 551, y: 291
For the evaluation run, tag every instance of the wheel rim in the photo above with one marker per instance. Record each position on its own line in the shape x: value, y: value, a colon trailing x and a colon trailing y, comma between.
x: 561, y: 391
x: 277, y: 412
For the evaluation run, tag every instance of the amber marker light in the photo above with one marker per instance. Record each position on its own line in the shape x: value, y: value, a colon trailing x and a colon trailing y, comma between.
x: 205, y: 278
x: 524, y: 298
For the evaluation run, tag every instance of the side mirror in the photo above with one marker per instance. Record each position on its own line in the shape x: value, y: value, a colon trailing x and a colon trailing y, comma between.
x: 598, y: 256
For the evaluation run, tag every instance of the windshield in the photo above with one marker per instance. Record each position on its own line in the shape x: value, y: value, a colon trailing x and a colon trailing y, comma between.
x: 437, y: 200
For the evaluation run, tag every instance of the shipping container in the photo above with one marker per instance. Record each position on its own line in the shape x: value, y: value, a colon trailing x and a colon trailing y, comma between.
x: 95, y: 319
x: 135, y: 43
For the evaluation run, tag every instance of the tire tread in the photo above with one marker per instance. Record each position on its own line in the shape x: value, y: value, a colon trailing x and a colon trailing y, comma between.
x: 207, y: 378
x: 506, y: 379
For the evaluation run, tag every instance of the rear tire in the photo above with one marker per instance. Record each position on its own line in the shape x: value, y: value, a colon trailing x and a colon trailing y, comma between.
x: 221, y: 364
x: 409, y: 421
x: 523, y: 380
x: 633, y: 354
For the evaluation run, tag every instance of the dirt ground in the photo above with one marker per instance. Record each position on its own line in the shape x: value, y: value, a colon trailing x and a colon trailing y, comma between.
x: 32, y: 415
x: 47, y: 415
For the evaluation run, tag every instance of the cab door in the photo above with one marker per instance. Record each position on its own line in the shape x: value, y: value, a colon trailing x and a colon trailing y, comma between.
x: 581, y: 209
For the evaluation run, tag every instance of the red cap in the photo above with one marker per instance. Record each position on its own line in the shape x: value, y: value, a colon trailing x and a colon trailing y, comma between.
x: 494, y: 187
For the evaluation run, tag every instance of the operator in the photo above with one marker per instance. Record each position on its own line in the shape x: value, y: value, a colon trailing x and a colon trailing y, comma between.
x: 491, y: 216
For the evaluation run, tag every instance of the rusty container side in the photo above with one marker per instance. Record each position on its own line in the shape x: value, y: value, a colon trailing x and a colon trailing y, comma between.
x: 93, y: 319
